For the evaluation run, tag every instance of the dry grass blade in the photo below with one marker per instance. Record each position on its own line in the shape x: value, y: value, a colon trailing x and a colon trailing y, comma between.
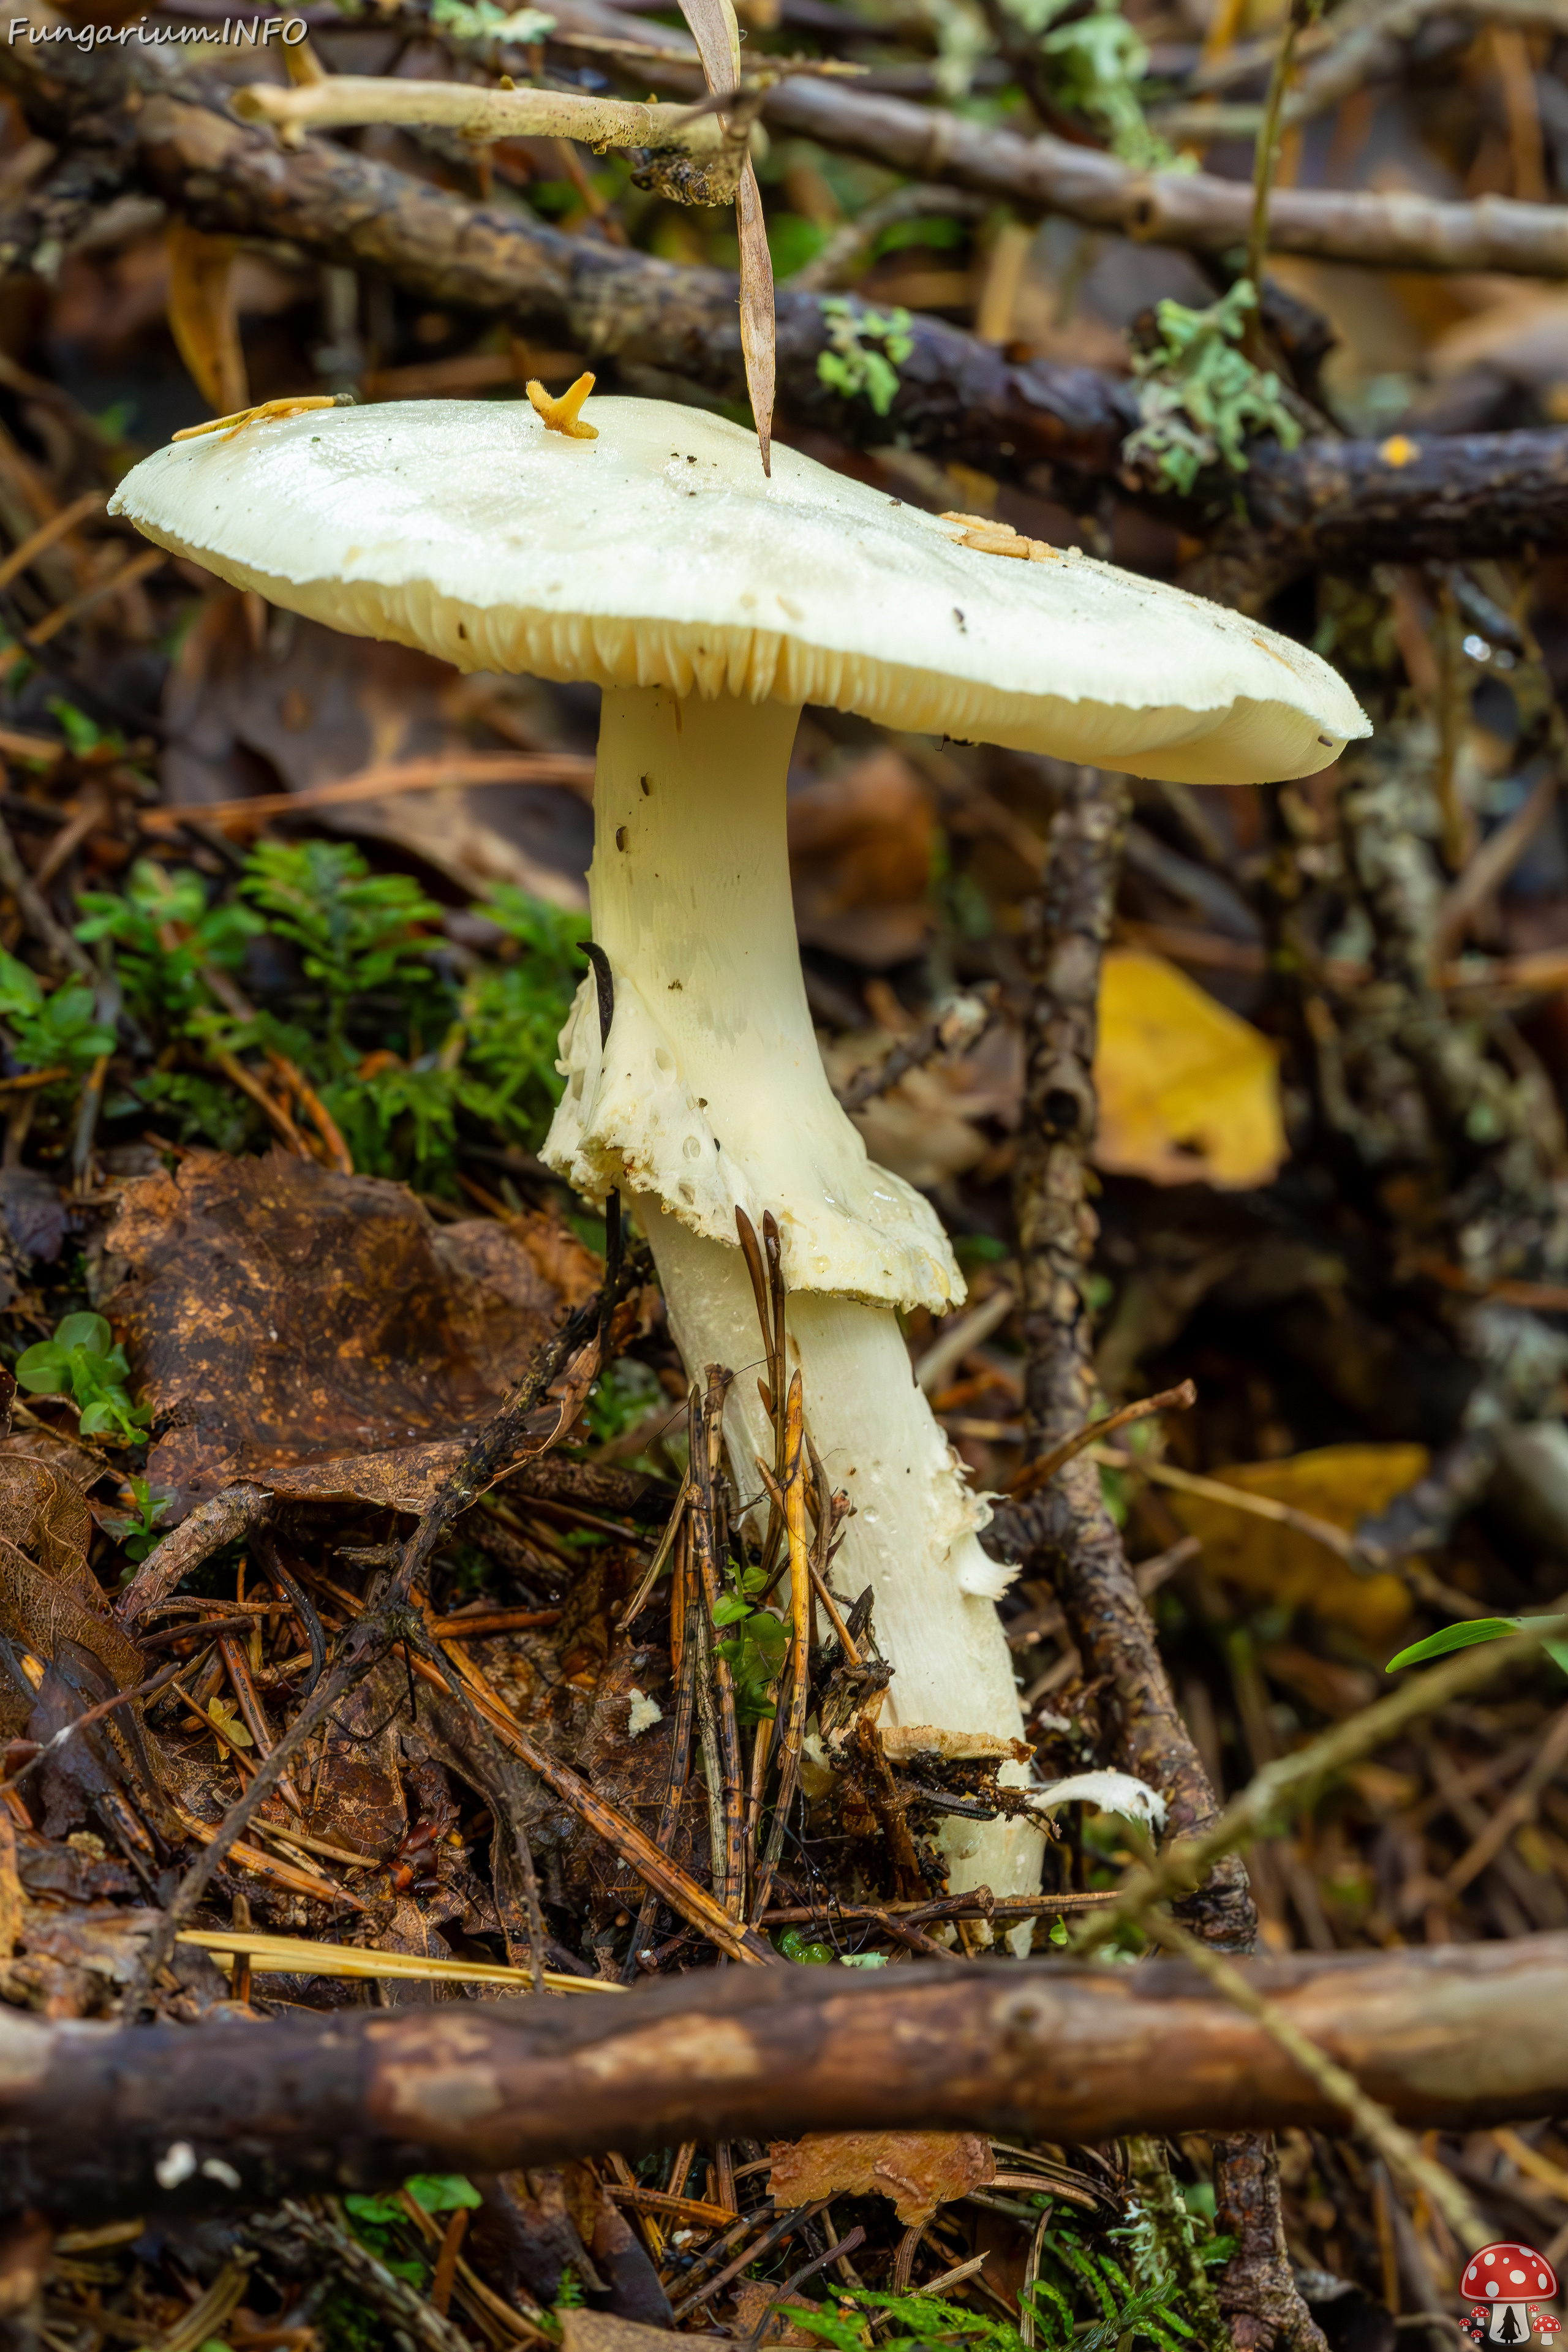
x: 758, y: 324
x: 289, y: 1875
x: 202, y: 315
x: 764, y: 1266
x: 299, y: 1956
x: 799, y: 1645
x: 1400, y: 2150
x: 707, y: 1547
x: 656, y: 1566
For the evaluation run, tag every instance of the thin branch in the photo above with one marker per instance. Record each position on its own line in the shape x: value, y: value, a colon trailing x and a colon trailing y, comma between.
x: 1285, y: 1786
x: 1257, y: 1506
x: 1195, y: 210
x: 1040, y: 1473
x: 480, y: 114
x: 36, y: 911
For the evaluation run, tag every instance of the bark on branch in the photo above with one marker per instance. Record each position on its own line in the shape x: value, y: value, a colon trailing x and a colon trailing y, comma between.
x: 127, y: 117
x: 1461, y: 2035
x: 1196, y: 209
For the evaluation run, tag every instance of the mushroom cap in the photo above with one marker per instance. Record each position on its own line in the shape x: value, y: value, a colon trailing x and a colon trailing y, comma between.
x: 1506, y: 2274
x: 659, y: 554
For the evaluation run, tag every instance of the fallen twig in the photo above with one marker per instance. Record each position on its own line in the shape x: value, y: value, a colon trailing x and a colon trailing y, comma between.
x: 1460, y: 2035
x: 1038, y: 1473
x: 1284, y: 1786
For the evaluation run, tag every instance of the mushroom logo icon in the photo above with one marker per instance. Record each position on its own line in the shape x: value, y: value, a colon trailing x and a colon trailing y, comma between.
x: 1504, y: 2280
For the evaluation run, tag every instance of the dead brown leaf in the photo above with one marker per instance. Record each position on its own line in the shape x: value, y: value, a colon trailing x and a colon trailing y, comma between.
x: 281, y: 1315
x: 312, y: 707
x: 48, y: 1594
x: 78, y: 1464
x: 752, y: 2299
x: 600, y: 2331
x: 860, y: 847
x: 919, y: 2170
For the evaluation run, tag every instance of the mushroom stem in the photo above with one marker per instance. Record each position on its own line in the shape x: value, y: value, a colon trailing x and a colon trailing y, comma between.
x: 708, y: 1094
x: 912, y: 1538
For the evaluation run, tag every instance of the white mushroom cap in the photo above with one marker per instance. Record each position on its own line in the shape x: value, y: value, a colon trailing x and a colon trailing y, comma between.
x: 659, y: 554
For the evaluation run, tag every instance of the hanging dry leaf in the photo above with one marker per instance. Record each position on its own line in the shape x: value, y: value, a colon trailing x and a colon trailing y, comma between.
x: 718, y: 38
x: 919, y: 2170
x: 1341, y: 1484
x: 202, y: 316
x: 1188, y: 1091
x: 757, y: 335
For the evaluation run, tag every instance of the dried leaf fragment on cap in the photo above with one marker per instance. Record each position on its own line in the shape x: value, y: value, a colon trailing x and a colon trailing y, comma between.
x: 989, y: 537
x: 265, y: 412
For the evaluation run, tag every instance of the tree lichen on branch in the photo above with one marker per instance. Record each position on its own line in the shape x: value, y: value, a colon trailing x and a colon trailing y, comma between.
x: 1201, y: 398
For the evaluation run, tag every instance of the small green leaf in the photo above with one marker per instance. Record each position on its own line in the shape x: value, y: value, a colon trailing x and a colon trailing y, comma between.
x: 1058, y: 1931
x: 442, y: 2192
x: 44, y: 1369
x: 1558, y: 1653
x: 380, y: 2210
x: 730, y: 1610
x: 89, y: 1332
x: 1454, y: 1637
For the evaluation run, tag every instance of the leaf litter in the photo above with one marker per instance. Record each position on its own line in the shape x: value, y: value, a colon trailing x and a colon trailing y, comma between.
x: 277, y: 1264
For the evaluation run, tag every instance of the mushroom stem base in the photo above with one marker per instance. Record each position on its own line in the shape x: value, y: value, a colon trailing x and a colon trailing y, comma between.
x: 912, y: 1538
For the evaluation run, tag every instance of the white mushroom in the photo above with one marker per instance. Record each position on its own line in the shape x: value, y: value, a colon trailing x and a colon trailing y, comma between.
x: 709, y: 602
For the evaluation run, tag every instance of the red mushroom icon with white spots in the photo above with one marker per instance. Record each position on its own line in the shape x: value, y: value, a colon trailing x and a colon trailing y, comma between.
x: 1505, y: 2281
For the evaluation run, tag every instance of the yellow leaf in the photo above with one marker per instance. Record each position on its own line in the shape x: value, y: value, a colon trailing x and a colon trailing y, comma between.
x: 1341, y: 1484
x: 202, y: 317
x: 225, y: 1713
x: 1188, y: 1091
